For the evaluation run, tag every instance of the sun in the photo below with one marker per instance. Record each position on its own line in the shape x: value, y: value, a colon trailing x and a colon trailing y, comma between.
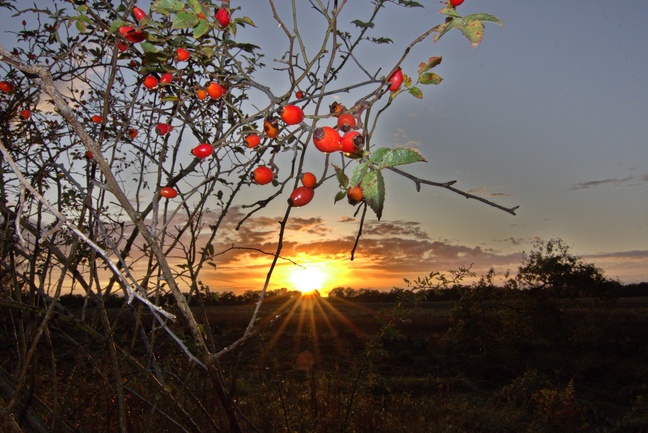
x: 307, y: 280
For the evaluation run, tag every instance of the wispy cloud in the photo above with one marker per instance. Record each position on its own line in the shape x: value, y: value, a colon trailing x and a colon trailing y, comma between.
x: 624, y: 181
x: 485, y: 191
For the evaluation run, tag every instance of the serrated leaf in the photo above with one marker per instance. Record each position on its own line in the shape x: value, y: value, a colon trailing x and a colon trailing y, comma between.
x: 401, y: 156
x: 431, y: 63
x: 342, y: 178
x: 377, y: 155
x: 80, y: 26
x: 430, y: 78
x: 185, y: 20
x: 484, y: 17
x: 473, y: 30
x: 195, y: 6
x: 373, y: 191
x: 410, y: 4
x: 167, y: 6
x: 452, y: 12
x: 381, y: 40
x: 201, y: 29
x: 245, y: 20
x: 363, y: 24
x: 444, y: 28
x: 359, y: 173
x: 148, y: 47
x: 415, y: 91
x: 340, y: 195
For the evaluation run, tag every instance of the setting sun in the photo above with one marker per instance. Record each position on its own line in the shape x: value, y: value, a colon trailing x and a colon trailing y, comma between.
x: 307, y: 280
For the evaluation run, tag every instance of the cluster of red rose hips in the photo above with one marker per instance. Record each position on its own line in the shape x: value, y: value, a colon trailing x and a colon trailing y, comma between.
x: 343, y: 137
x: 213, y: 89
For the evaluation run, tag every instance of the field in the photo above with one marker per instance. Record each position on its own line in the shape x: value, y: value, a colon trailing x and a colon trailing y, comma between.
x: 326, y: 365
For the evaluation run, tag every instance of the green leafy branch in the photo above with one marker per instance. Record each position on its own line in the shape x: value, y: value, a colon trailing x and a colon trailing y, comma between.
x: 472, y: 26
x: 368, y: 174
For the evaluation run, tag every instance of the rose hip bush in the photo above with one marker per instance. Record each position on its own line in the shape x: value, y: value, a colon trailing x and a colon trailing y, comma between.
x: 141, y: 119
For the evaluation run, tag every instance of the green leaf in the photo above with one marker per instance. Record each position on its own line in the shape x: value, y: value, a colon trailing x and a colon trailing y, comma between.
x: 340, y: 195
x: 195, y: 6
x: 430, y: 78
x: 245, y: 21
x: 167, y: 6
x: 80, y: 26
x: 410, y: 4
x: 201, y: 29
x: 342, y: 178
x: 444, y: 28
x: 431, y: 63
x: 148, y: 48
x: 362, y: 24
x: 170, y: 98
x: 381, y: 40
x: 359, y: 173
x: 401, y: 156
x: 185, y: 20
x: 415, y: 91
x: 377, y: 155
x: 451, y: 12
x: 473, y: 30
x: 373, y: 191
x: 484, y: 17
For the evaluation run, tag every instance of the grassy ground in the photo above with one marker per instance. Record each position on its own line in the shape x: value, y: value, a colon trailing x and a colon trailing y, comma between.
x: 512, y: 365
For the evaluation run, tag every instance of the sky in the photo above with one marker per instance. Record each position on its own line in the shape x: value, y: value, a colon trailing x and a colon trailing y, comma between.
x: 548, y: 113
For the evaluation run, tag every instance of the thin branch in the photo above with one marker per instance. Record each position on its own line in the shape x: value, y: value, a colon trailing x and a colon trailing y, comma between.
x: 448, y: 185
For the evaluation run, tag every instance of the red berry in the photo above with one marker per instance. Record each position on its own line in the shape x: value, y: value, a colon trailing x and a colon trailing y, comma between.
x: 88, y: 154
x: 122, y: 46
x: 201, y: 94
x: 271, y: 127
x: 131, y: 34
x: 223, y: 17
x: 215, y: 90
x: 456, y: 3
x: 202, y: 150
x: 96, y: 118
x: 354, y: 195
x: 150, y: 82
x: 291, y: 114
x: 346, y: 122
x: 308, y: 179
x: 132, y: 133
x: 6, y: 86
x: 166, y: 78
x: 301, y: 196
x: 168, y: 192
x: 263, y: 175
x: 326, y: 139
x: 395, y: 80
x: 182, y: 55
x: 25, y: 114
x: 252, y: 140
x: 299, y: 94
x: 163, y: 128
x: 139, y: 13
x: 351, y: 142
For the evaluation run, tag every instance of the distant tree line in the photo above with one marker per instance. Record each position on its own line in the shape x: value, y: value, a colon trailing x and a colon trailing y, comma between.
x: 206, y: 298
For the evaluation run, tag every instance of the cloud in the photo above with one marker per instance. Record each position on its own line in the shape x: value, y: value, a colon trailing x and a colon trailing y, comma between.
x: 625, y: 181
x: 485, y: 191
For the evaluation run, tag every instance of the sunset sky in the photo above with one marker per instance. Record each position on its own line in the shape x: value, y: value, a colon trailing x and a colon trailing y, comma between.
x: 548, y: 113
